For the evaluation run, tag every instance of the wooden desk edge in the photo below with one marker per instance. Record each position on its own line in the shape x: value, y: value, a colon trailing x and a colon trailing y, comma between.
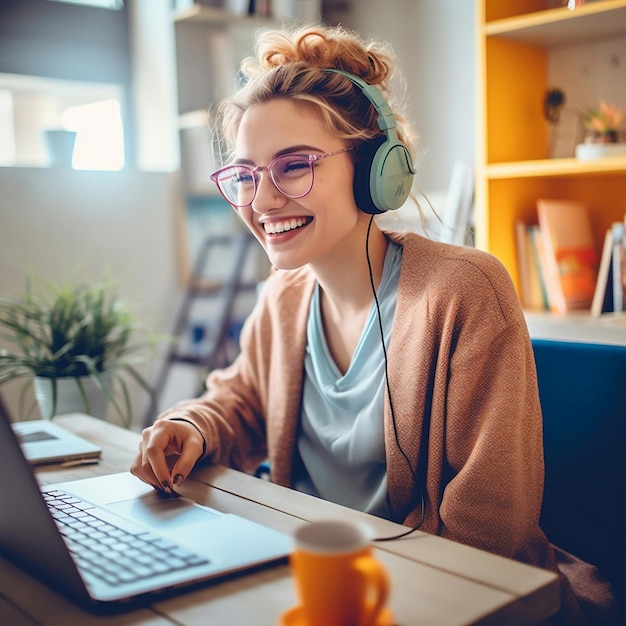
x: 519, y: 580
x: 298, y: 505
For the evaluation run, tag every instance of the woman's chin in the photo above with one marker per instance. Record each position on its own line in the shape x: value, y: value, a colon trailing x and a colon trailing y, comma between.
x: 281, y: 263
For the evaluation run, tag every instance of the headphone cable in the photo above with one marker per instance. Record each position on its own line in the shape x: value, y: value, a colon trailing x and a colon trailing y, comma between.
x: 388, y: 387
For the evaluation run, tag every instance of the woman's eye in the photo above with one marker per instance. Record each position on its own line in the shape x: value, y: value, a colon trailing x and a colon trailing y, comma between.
x: 242, y: 178
x: 294, y: 167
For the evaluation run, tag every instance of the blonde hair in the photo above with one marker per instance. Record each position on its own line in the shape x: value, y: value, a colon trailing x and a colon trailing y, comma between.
x: 292, y: 64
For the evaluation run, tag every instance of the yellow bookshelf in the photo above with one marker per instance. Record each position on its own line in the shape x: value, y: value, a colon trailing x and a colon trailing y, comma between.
x: 515, y: 39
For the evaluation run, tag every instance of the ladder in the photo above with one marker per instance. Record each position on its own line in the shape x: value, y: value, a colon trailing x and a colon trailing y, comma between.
x: 215, y: 339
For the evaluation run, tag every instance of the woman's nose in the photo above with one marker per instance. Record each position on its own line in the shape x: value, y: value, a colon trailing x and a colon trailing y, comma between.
x: 268, y: 196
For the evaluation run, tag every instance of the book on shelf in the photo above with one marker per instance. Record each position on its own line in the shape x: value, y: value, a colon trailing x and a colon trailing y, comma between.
x: 542, y: 266
x: 603, y: 295
x: 532, y: 287
x: 570, y: 256
x: 619, y: 266
x: 610, y: 294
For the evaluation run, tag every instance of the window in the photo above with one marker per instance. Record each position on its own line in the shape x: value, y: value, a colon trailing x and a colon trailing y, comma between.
x: 102, y: 4
x: 31, y: 105
x: 99, y: 139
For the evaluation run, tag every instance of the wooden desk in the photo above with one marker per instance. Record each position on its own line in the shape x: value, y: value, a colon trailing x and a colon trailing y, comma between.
x: 434, y: 581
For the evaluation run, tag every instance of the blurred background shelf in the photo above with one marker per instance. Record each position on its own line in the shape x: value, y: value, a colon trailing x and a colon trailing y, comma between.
x: 525, y: 48
x: 609, y: 328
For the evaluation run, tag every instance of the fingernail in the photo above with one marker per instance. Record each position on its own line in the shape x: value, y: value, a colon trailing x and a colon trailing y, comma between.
x: 178, y: 480
x: 166, y: 487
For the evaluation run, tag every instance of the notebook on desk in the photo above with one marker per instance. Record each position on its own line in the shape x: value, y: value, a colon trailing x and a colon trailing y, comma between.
x: 65, y: 534
x: 44, y: 442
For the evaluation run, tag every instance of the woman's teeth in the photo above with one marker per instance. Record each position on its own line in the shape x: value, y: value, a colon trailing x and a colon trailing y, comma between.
x: 281, y: 227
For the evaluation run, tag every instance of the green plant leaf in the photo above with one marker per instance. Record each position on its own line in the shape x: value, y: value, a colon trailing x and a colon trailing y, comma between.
x: 63, y: 330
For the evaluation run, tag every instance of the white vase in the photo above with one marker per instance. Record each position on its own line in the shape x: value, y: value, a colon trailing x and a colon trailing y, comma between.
x: 69, y: 398
x: 60, y: 146
x: 592, y: 151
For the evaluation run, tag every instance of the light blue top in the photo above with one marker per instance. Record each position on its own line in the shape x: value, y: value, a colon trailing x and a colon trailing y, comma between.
x: 341, y: 441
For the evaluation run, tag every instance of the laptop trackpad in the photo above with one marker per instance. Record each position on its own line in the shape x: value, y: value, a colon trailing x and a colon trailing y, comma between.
x: 159, y: 513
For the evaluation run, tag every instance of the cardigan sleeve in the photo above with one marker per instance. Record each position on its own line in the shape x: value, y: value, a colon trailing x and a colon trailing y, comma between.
x: 466, y: 402
x: 486, y: 415
x: 249, y: 412
x: 229, y: 412
x: 493, y: 468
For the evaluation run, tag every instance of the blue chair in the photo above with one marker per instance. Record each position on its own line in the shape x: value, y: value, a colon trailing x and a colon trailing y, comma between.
x: 582, y: 388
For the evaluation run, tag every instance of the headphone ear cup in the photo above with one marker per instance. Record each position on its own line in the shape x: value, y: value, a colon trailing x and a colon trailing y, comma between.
x: 391, y: 176
x: 383, y: 176
x: 383, y: 170
x: 363, y: 174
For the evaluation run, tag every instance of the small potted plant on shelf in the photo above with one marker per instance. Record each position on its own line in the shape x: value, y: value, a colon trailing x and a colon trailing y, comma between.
x: 603, y: 124
x: 75, y: 344
x: 602, y: 132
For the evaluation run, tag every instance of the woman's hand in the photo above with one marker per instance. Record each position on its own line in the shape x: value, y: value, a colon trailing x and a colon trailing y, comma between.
x: 168, y: 452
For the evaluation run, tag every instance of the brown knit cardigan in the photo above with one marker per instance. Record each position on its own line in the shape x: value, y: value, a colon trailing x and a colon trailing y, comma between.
x: 464, y: 392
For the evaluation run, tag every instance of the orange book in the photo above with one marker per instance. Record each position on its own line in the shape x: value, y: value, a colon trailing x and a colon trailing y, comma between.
x: 570, y: 254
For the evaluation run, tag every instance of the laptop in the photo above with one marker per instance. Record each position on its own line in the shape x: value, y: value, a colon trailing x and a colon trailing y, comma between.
x: 44, y: 442
x: 53, y: 534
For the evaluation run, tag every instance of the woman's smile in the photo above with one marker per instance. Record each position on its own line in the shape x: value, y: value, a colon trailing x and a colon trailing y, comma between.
x: 275, y: 227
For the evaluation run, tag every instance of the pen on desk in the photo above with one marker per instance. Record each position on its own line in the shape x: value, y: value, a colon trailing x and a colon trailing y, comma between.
x: 79, y: 462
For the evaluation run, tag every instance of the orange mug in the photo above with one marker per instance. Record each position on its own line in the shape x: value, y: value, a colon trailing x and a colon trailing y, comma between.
x: 337, y: 578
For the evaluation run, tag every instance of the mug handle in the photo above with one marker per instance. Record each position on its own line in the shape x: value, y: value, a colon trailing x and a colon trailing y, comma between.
x: 377, y: 584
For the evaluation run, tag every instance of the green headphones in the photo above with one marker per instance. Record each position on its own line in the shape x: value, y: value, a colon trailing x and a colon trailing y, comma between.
x: 383, y: 182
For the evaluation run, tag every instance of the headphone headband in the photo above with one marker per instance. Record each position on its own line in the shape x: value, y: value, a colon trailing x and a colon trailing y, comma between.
x: 386, y: 119
x: 386, y: 182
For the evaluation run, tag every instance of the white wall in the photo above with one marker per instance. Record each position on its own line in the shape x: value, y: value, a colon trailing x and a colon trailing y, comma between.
x: 434, y: 41
x: 59, y: 223
x: 154, y: 85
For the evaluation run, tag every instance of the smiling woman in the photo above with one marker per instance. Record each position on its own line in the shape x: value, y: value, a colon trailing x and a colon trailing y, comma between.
x: 379, y: 370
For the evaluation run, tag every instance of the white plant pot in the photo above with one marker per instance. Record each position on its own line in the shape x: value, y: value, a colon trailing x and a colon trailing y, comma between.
x: 60, y: 146
x: 593, y: 151
x: 69, y: 398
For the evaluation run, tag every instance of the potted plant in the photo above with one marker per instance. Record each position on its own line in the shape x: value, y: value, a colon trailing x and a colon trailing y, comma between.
x: 602, y: 133
x: 68, y: 339
x: 602, y: 124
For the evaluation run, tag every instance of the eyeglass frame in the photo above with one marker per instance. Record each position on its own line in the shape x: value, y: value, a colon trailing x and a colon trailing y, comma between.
x: 312, y: 159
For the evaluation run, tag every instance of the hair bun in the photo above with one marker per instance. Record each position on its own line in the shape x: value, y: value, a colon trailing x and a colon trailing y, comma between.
x: 321, y: 47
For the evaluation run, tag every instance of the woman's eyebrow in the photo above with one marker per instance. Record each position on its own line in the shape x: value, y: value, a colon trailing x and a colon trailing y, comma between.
x: 295, y: 149
x: 301, y: 148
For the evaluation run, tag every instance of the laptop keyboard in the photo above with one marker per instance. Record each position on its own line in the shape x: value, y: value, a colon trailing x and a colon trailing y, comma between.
x: 112, y: 549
